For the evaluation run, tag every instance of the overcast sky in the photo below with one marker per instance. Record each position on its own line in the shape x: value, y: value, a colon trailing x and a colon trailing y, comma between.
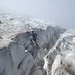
x: 57, y: 12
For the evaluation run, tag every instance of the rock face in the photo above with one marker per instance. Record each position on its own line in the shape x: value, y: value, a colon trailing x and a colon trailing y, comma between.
x: 54, y: 54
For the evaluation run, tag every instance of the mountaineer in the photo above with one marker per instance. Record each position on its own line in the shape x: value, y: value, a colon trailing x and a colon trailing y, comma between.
x: 33, y: 38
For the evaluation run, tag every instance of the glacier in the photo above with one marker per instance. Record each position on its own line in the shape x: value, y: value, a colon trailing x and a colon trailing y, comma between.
x: 18, y: 56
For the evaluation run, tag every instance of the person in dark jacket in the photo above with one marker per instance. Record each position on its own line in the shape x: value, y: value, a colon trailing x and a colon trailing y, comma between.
x: 33, y: 38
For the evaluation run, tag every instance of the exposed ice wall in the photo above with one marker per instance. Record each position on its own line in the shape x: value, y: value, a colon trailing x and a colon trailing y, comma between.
x: 17, y: 55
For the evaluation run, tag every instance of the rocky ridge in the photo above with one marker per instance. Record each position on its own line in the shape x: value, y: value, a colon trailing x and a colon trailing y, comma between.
x: 18, y: 56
